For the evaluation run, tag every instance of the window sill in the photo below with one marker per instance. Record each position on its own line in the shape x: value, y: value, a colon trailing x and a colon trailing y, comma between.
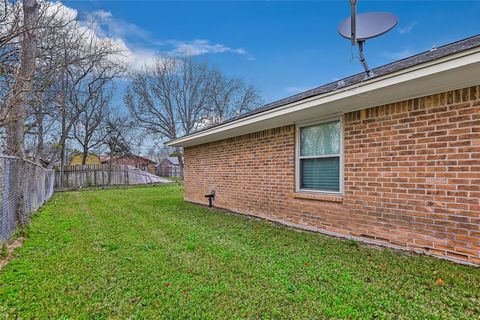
x: 318, y: 197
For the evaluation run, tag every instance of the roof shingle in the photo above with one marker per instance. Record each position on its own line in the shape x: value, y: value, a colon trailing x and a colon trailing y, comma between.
x: 440, y: 52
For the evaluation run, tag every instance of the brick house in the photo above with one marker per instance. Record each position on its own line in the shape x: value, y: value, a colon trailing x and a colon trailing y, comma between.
x: 392, y: 160
x: 132, y: 160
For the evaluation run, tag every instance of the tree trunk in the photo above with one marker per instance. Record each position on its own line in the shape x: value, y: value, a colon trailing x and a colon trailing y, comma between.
x: 18, y: 103
x: 62, y: 147
x: 84, y: 156
x: 22, y: 86
x: 110, y: 170
x: 180, y: 160
x: 39, y: 151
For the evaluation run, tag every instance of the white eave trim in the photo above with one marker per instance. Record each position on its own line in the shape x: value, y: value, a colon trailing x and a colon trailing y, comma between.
x: 429, y: 68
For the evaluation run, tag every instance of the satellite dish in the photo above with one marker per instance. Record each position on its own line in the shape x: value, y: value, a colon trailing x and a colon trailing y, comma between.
x: 358, y: 28
x: 368, y: 25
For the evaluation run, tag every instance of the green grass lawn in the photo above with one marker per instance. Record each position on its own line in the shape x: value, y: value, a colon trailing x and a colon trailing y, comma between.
x: 145, y: 253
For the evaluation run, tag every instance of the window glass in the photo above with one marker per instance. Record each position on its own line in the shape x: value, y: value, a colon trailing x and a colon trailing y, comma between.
x: 320, y: 139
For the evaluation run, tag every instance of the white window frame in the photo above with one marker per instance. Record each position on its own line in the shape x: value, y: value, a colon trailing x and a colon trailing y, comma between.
x: 298, y: 157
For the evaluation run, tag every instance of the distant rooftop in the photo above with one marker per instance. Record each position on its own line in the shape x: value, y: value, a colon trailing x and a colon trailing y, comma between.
x: 173, y: 160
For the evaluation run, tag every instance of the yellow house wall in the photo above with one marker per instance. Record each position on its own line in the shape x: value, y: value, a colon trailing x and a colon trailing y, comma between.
x: 91, y: 159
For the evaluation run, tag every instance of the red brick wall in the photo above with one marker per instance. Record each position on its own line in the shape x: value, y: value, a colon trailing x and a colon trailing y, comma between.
x: 134, y: 161
x: 412, y: 176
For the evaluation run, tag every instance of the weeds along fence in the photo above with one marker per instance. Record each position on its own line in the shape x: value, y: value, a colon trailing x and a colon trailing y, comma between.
x: 100, y: 175
x: 24, y: 187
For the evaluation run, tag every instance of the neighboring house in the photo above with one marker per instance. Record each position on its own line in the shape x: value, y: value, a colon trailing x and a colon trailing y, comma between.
x: 104, y: 158
x: 76, y: 159
x: 132, y: 160
x: 391, y: 160
x: 168, y: 167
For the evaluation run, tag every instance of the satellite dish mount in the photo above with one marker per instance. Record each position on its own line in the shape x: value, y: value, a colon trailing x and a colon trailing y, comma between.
x: 353, y: 15
x: 359, y: 28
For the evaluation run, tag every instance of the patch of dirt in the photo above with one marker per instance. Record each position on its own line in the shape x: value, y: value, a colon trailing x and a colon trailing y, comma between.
x: 10, y: 248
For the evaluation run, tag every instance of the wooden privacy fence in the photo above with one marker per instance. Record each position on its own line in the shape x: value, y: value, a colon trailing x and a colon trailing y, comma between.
x: 168, y: 171
x: 103, y: 175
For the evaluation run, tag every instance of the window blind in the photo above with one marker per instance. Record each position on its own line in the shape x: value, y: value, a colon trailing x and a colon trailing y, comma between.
x: 319, y: 156
x: 320, y: 173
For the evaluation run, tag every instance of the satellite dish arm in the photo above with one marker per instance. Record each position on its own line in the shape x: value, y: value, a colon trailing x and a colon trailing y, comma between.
x: 353, y: 37
x: 363, y: 60
x: 353, y: 27
x: 380, y: 22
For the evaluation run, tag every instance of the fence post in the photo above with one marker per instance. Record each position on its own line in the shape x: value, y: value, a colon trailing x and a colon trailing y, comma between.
x: 6, y: 187
x: 110, y: 172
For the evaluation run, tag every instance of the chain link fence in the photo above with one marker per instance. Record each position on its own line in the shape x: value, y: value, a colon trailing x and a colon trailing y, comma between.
x: 24, y: 187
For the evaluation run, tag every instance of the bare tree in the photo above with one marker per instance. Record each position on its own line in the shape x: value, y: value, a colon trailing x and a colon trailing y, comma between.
x: 40, y: 124
x: 158, y: 153
x: 69, y: 59
x: 40, y: 104
x: 49, y: 17
x: 170, y: 98
x: 121, y: 138
x: 89, y: 129
x: 230, y: 97
x: 21, y: 87
x: 86, y: 61
x: 17, y: 104
x: 42, y: 115
x: 11, y: 20
x: 177, y: 96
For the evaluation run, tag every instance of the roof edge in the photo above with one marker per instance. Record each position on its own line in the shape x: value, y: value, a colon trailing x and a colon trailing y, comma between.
x: 235, y: 122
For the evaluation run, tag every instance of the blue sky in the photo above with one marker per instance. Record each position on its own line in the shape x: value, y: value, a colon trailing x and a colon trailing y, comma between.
x: 281, y: 47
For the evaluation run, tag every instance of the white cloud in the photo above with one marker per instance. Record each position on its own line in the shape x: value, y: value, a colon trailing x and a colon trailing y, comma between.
x: 397, y: 55
x: 103, y: 25
x: 200, y: 47
x: 142, y: 47
x: 136, y: 58
x: 407, y: 29
x: 139, y: 47
x: 100, y: 26
x: 102, y: 14
x: 117, y: 28
x: 60, y: 10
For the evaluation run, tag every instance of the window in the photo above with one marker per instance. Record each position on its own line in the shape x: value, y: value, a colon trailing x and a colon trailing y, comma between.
x: 319, y: 157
